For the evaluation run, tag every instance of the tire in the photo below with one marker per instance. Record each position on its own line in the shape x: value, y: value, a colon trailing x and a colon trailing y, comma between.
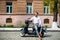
x: 22, y: 33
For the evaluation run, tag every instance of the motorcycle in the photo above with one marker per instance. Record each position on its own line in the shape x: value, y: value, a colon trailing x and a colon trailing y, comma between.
x: 34, y: 32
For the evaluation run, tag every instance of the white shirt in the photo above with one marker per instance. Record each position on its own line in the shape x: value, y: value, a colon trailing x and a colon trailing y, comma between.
x: 36, y: 20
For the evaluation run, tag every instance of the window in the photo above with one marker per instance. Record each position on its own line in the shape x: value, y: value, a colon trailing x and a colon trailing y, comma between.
x: 46, y: 10
x: 29, y: 8
x: 46, y: 21
x: 9, y: 20
x: 8, y: 7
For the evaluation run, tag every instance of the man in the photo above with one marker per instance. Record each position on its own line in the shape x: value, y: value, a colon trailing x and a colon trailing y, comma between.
x: 37, y: 22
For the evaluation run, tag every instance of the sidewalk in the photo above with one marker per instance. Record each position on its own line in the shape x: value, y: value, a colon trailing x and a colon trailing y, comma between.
x: 17, y: 36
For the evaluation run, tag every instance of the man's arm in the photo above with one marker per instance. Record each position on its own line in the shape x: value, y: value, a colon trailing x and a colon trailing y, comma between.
x: 30, y: 19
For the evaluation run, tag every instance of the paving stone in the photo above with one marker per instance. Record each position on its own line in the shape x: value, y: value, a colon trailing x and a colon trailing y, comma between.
x: 16, y: 36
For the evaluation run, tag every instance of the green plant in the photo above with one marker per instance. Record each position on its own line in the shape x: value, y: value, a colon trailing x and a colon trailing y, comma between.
x: 0, y: 25
x: 7, y: 26
x: 46, y: 26
x: 10, y: 25
x: 22, y: 26
x: 4, y: 25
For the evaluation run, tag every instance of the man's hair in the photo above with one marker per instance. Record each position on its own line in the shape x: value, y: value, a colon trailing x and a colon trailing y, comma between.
x: 37, y: 13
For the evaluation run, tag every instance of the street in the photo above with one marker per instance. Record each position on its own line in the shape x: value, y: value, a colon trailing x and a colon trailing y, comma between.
x: 15, y: 35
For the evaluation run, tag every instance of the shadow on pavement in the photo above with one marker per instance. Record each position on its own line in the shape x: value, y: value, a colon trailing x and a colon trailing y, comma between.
x: 29, y: 36
x: 47, y: 36
x: 36, y: 36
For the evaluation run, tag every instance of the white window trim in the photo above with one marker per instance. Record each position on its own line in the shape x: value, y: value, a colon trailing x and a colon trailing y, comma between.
x: 29, y: 9
x: 46, y: 9
x: 9, y: 9
x: 32, y: 7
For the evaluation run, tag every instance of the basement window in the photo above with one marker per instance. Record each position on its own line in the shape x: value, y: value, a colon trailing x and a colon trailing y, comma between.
x: 46, y: 21
x: 9, y: 20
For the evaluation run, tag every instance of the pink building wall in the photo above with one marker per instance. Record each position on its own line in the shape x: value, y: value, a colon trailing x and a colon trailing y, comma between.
x: 16, y: 19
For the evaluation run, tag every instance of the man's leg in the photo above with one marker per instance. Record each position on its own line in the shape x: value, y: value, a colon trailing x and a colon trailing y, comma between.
x: 36, y: 29
x: 41, y: 30
x: 40, y: 33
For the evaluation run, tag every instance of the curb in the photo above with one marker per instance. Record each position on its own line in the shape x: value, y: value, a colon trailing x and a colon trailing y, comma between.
x: 18, y: 29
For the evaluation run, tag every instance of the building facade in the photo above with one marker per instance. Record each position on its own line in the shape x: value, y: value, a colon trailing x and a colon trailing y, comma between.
x: 17, y: 11
x: 59, y: 20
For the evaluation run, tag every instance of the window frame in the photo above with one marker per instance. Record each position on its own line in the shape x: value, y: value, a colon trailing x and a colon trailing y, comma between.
x: 30, y: 10
x: 46, y: 21
x: 47, y: 10
x: 9, y: 10
x: 8, y: 21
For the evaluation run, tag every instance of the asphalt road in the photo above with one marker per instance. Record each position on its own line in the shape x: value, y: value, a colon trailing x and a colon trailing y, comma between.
x: 16, y: 36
